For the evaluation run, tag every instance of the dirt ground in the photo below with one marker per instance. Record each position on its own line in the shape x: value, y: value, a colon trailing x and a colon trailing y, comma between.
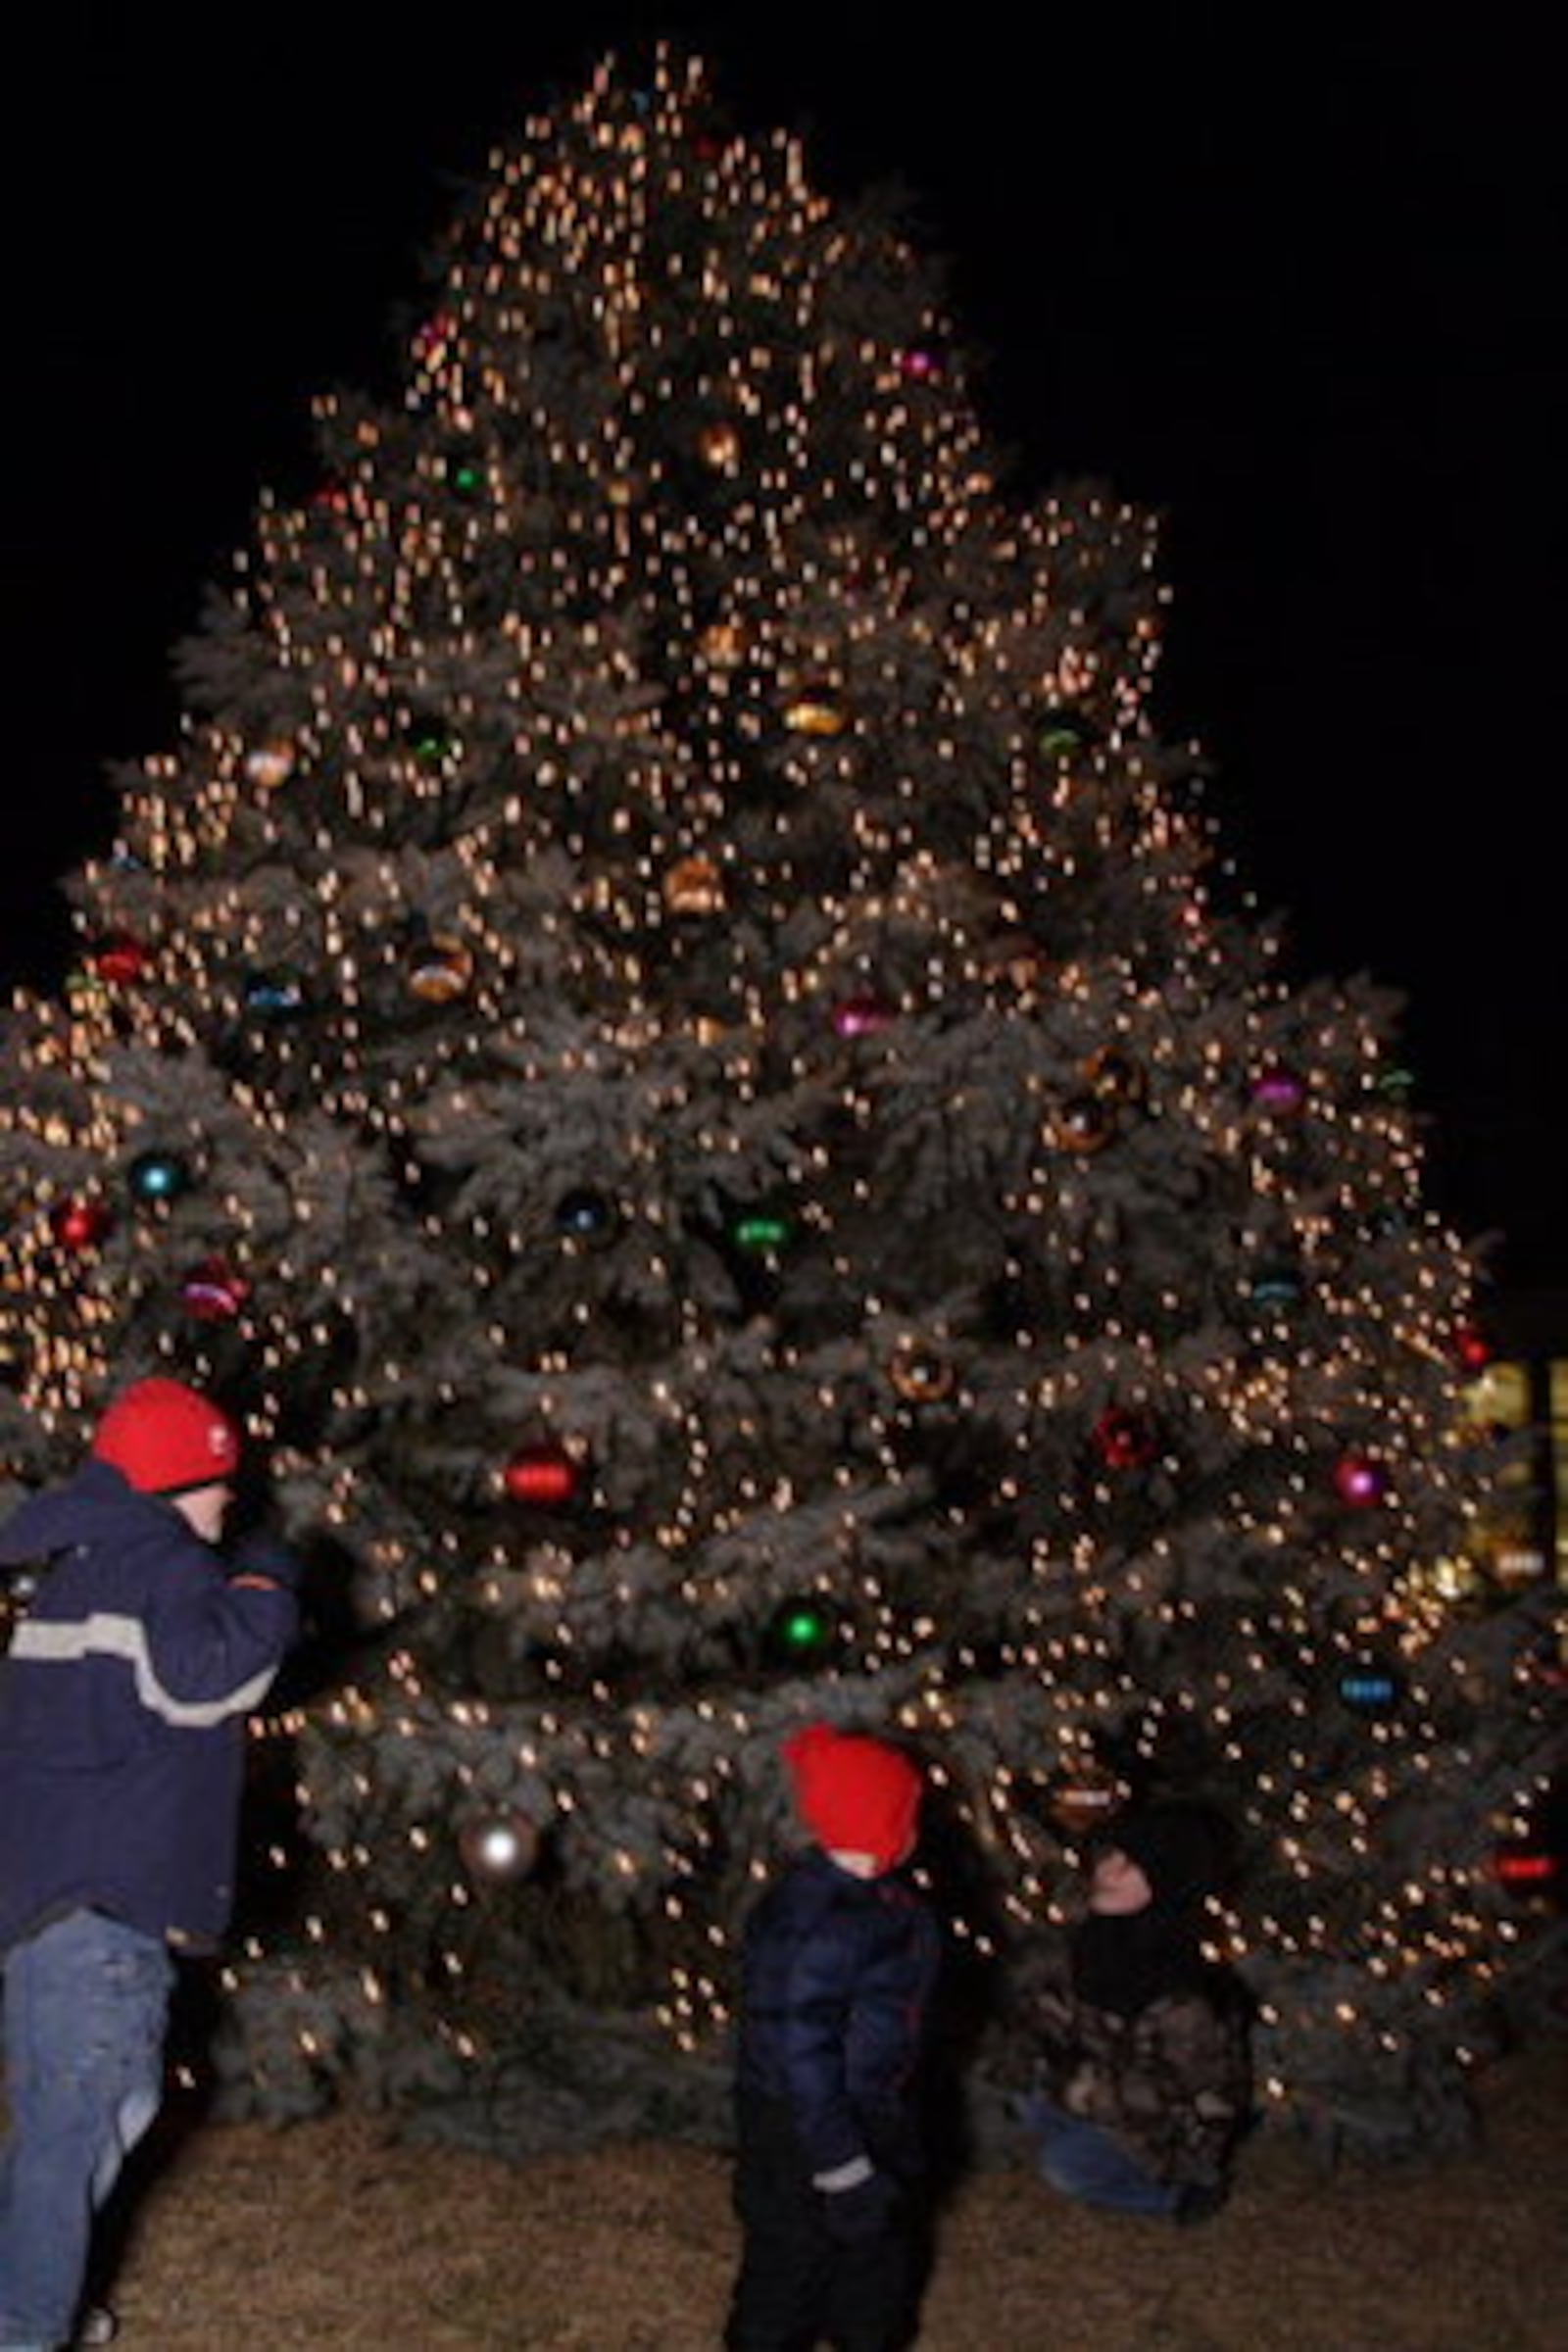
x: 338, y: 2234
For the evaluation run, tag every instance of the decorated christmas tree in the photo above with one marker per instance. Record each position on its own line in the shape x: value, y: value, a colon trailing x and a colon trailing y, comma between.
x: 669, y: 1032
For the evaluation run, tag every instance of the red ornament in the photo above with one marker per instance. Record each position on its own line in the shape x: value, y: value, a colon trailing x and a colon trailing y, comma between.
x: 81, y: 1225
x: 1519, y: 1866
x: 213, y: 1292
x: 542, y: 1474
x: 920, y: 366
x: 1471, y: 1348
x: 1360, y: 1480
x: 120, y: 958
x: 434, y: 337
x: 1124, y: 1441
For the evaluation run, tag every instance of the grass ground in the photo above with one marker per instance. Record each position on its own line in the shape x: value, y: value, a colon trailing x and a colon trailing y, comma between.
x: 338, y: 2234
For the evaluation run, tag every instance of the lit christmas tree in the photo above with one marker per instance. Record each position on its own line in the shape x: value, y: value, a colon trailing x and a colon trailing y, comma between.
x: 664, y: 1032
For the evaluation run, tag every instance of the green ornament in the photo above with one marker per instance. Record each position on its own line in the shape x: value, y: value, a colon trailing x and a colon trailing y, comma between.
x: 801, y: 1631
x: 1061, y: 739
x: 430, y: 741
x: 762, y: 1233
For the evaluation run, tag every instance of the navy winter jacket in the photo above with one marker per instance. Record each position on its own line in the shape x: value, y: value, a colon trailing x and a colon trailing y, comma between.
x: 122, y: 1706
x: 838, y: 1979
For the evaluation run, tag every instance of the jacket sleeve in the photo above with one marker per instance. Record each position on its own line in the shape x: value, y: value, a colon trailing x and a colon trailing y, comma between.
x: 813, y: 2027
x: 208, y: 1646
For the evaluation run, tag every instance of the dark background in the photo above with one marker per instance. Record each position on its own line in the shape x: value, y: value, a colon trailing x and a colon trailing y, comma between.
x: 1297, y: 284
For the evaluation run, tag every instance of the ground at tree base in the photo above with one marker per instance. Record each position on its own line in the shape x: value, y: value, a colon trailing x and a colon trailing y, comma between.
x: 339, y: 2235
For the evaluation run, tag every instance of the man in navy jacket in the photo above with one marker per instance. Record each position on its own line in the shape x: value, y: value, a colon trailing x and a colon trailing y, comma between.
x: 122, y: 1708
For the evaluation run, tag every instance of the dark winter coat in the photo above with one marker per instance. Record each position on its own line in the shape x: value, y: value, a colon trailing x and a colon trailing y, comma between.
x: 839, y: 1973
x: 1171, y: 2080
x: 122, y: 1706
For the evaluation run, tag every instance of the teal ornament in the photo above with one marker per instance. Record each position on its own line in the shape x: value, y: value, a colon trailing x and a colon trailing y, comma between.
x: 158, y: 1176
x: 801, y: 1631
x: 1275, y: 1287
x: 1396, y: 1085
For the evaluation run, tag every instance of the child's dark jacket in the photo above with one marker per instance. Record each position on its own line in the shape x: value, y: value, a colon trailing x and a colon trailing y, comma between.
x: 122, y: 1706
x: 839, y: 1973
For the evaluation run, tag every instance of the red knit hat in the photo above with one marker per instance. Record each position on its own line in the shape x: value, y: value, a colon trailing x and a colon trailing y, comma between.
x: 166, y: 1438
x: 855, y: 1795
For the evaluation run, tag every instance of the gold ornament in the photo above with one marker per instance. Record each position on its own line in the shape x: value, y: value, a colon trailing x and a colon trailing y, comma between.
x: 719, y: 446
x: 440, y: 971
x: 269, y: 765
x: 1085, y: 1124
x: 1013, y: 956
x: 920, y: 1375
x: 1114, y: 1077
x: 1085, y: 1798
x: 816, y: 711
x: 723, y: 645
x: 694, y: 886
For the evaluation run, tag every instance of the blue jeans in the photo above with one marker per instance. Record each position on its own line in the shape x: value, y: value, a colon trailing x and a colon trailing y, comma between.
x: 87, y: 2006
x: 1085, y: 2163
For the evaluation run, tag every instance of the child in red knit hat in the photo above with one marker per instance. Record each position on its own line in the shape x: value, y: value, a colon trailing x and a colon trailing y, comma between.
x: 840, y: 1962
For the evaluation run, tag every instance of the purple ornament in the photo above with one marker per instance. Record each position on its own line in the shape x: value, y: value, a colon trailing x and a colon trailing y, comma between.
x: 1279, y: 1090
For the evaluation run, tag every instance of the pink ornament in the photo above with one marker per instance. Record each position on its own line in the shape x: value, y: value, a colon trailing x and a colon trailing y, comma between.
x: 1360, y: 1480
x: 213, y: 1292
x: 861, y: 1017
x: 920, y: 366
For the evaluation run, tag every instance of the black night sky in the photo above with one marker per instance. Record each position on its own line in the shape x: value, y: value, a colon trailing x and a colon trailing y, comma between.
x: 1307, y: 302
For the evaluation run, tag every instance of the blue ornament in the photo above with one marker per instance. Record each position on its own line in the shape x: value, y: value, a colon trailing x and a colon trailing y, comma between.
x: 275, y: 996
x: 1369, y: 1688
x: 584, y: 1215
